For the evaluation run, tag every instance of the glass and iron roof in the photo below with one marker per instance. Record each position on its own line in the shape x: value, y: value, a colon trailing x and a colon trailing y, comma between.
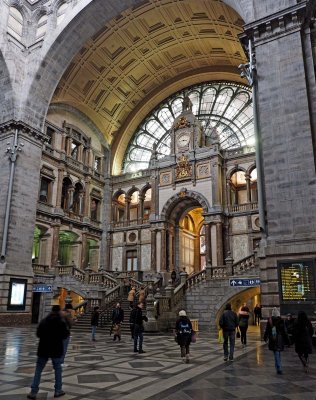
x: 221, y: 107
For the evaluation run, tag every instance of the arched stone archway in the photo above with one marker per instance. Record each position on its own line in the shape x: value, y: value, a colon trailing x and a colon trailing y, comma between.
x: 63, y: 44
x: 178, y: 203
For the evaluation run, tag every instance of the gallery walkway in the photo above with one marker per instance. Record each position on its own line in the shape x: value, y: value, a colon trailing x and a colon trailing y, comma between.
x: 110, y: 370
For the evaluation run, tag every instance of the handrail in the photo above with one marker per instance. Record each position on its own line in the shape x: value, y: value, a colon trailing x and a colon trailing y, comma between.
x: 243, y: 265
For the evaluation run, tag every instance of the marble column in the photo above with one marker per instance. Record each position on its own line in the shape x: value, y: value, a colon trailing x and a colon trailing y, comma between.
x: 55, y: 244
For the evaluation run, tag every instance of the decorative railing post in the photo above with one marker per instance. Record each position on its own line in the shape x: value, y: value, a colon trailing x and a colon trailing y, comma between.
x: 229, y: 263
x: 57, y: 268
x: 169, y: 290
x: 183, y: 276
x: 151, y: 325
x: 88, y: 271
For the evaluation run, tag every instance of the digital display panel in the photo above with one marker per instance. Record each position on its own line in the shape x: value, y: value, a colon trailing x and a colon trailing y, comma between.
x: 297, y: 280
x: 17, y: 294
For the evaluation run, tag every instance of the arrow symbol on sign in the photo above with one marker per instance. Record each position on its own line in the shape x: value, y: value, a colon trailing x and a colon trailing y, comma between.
x: 233, y: 282
x: 239, y: 282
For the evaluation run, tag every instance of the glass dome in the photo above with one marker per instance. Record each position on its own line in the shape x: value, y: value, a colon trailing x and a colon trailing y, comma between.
x: 222, y: 106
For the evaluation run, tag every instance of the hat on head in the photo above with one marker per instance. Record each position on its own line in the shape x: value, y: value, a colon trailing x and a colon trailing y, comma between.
x: 182, y: 313
x: 275, y: 312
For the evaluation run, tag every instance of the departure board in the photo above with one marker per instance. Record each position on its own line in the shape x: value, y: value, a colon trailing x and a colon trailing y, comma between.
x: 297, y: 280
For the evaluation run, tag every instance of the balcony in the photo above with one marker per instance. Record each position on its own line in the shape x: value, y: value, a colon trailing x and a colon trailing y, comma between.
x: 243, y: 207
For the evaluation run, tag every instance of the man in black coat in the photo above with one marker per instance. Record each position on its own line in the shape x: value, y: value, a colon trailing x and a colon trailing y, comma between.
x: 137, y: 320
x: 51, y: 332
x: 229, y: 322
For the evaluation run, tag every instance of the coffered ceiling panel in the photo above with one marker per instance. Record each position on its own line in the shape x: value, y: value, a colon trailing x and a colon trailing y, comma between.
x: 144, y: 51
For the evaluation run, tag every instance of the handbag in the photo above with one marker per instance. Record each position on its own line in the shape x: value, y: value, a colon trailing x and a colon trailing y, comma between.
x: 220, y: 336
x: 193, y: 337
x: 238, y: 334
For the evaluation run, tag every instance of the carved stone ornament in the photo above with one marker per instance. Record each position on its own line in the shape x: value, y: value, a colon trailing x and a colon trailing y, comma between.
x: 182, y: 123
x: 184, y: 169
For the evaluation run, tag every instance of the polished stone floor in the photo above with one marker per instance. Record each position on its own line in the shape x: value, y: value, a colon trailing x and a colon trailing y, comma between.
x: 109, y: 370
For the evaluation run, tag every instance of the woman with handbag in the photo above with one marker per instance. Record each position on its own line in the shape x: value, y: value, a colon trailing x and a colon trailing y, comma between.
x: 243, y: 318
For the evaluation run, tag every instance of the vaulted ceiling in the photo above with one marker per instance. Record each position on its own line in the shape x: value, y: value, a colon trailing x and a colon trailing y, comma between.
x: 146, y: 54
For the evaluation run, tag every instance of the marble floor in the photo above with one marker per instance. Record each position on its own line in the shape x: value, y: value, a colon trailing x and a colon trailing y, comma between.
x: 110, y: 370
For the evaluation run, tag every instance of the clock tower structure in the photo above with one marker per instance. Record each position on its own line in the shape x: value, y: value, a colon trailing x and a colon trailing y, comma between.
x: 186, y: 131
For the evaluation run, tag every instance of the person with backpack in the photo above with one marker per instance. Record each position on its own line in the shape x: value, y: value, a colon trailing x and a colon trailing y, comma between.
x: 228, y: 323
x: 276, y: 335
x: 302, y: 335
x: 183, y: 331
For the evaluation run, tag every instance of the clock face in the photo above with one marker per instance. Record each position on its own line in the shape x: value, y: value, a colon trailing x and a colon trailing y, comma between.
x: 183, y: 139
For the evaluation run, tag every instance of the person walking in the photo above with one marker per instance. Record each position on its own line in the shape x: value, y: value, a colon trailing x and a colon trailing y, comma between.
x: 51, y: 332
x: 229, y: 322
x: 276, y: 335
x: 302, y: 334
x: 138, y: 319
x: 243, y: 319
x: 183, y: 331
x: 94, y: 322
x: 131, y: 297
x: 117, y: 319
x: 289, y: 324
x: 258, y: 314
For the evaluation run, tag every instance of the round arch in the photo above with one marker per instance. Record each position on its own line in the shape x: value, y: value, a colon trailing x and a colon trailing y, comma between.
x: 67, y: 41
x: 182, y: 200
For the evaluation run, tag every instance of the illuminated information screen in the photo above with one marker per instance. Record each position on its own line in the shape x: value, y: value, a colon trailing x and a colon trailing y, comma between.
x: 298, y: 280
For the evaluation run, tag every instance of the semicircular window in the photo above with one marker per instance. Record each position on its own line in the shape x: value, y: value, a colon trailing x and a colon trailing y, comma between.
x: 222, y: 106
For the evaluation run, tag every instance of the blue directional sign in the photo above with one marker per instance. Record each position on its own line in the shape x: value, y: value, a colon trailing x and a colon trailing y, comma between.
x: 42, y: 288
x: 244, y: 282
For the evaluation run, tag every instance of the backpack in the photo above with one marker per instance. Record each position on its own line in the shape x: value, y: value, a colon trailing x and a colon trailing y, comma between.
x: 184, y: 327
x: 274, y: 332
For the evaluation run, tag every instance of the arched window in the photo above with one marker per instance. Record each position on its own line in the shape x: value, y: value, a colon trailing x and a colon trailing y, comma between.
x: 221, y: 106
x: 119, y: 208
x: 202, y: 248
x: 67, y: 247
x: 77, y: 204
x: 61, y: 12
x: 15, y: 23
x: 134, y: 206
x: 238, y: 188
x: 41, y: 27
x: 66, y: 195
x: 147, y: 203
x: 253, y: 186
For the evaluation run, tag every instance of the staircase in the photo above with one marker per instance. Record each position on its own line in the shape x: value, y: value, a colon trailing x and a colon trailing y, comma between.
x: 105, y: 322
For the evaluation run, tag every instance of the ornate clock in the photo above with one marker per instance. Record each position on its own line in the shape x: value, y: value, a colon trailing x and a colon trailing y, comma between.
x: 183, y: 139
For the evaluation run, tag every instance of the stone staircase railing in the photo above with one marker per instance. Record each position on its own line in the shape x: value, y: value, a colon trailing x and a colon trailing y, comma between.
x: 174, y: 298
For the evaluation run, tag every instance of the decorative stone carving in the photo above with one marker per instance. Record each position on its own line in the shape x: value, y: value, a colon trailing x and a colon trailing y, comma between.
x: 184, y: 169
x: 203, y: 170
x: 165, y: 178
x: 182, y: 123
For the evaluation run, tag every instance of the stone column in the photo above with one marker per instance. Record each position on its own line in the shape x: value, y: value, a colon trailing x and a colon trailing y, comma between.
x: 158, y: 251
x: 55, y: 245
x: 163, y: 249
x: 208, y: 254
x: 140, y: 210
x: 60, y: 180
x: 84, y: 255
x: 219, y: 243
x: 153, y: 249
x: 86, y: 211
x: 247, y: 176
x: 127, y: 208
x: 16, y: 241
